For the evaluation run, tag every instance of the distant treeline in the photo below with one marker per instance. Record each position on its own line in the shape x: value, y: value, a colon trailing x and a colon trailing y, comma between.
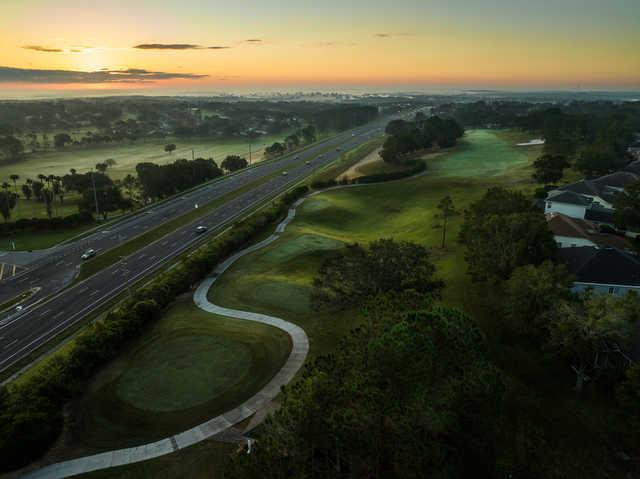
x: 27, y: 126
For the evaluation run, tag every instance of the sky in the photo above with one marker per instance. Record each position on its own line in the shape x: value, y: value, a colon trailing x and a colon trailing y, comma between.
x: 198, y: 45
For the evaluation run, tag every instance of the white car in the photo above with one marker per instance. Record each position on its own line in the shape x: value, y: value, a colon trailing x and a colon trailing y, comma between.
x: 285, y: 173
x: 90, y: 253
x: 201, y: 229
x: 307, y: 162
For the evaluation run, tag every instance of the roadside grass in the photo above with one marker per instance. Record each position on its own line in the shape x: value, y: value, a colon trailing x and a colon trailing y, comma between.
x: 34, y: 240
x: 347, y: 160
x: 186, y: 368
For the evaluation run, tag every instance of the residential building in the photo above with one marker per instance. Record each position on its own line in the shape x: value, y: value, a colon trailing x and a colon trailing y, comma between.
x: 603, y: 270
x: 572, y: 232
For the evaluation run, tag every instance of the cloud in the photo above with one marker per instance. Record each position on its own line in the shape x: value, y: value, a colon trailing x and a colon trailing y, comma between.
x: 177, y: 46
x: 39, y: 48
x: 167, y: 46
x: 130, y: 75
x: 334, y: 44
x: 390, y: 35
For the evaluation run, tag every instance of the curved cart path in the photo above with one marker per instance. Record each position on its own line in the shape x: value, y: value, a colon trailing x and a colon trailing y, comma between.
x: 218, y: 424
x: 223, y: 422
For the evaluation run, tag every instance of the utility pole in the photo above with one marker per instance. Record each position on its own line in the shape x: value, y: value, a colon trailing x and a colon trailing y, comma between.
x: 249, y: 154
x: 193, y: 156
x: 95, y: 195
x: 125, y: 273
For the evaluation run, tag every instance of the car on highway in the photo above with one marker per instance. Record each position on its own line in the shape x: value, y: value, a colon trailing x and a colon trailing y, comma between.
x: 297, y: 157
x: 338, y: 149
x: 90, y: 253
x: 201, y: 229
x: 285, y: 173
x: 307, y: 162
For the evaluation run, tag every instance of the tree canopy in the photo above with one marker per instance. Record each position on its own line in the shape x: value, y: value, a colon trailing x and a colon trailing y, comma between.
x: 385, y: 265
x: 411, y: 394
x: 503, y: 231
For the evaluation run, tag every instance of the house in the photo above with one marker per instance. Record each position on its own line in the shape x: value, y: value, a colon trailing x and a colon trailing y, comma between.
x: 572, y: 232
x: 567, y: 203
x: 603, y: 190
x: 603, y: 270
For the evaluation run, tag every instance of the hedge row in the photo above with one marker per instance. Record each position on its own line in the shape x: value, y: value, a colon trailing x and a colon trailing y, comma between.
x: 45, y: 224
x: 417, y: 167
x: 31, y: 412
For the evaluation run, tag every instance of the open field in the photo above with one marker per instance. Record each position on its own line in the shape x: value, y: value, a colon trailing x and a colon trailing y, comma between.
x: 127, y: 155
x: 188, y: 367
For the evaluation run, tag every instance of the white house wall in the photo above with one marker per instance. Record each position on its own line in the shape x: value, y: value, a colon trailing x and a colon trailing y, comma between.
x: 569, y: 242
x: 572, y: 211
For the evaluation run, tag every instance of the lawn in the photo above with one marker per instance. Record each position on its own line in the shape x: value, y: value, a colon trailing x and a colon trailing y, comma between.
x: 187, y: 368
x: 127, y: 155
x: 277, y: 280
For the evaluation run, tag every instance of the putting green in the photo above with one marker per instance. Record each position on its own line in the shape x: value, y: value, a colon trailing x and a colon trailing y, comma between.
x: 481, y: 153
x: 186, y: 368
x: 176, y: 373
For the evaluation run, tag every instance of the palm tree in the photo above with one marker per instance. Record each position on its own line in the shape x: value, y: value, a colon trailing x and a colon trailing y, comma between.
x: 15, y: 178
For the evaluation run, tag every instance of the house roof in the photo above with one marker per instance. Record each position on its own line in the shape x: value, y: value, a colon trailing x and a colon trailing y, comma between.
x: 605, y: 187
x: 600, y: 215
x: 601, y: 266
x: 633, y: 167
x: 582, y: 187
x: 569, y: 197
x: 562, y: 225
x: 619, y: 179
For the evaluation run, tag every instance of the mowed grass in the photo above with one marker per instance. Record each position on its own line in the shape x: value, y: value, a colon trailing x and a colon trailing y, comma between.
x: 127, y: 155
x: 187, y: 368
x: 277, y: 280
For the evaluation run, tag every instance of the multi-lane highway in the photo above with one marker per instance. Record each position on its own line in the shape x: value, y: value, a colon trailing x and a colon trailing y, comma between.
x: 22, y: 332
x: 57, y: 267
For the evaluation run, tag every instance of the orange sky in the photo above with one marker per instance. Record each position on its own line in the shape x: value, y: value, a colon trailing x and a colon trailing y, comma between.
x: 480, y: 43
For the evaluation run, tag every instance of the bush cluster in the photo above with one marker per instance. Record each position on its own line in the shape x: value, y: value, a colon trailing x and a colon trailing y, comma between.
x: 31, y: 411
x: 45, y: 224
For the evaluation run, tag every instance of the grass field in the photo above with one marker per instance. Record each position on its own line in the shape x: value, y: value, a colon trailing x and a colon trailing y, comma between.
x: 277, y: 280
x: 127, y: 155
x: 187, y: 368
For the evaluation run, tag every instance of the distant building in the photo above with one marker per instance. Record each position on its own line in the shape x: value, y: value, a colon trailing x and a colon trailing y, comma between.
x: 603, y: 270
x: 572, y: 232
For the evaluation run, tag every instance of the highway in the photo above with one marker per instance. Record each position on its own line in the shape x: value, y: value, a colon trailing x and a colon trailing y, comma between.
x: 59, y: 266
x: 25, y: 331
